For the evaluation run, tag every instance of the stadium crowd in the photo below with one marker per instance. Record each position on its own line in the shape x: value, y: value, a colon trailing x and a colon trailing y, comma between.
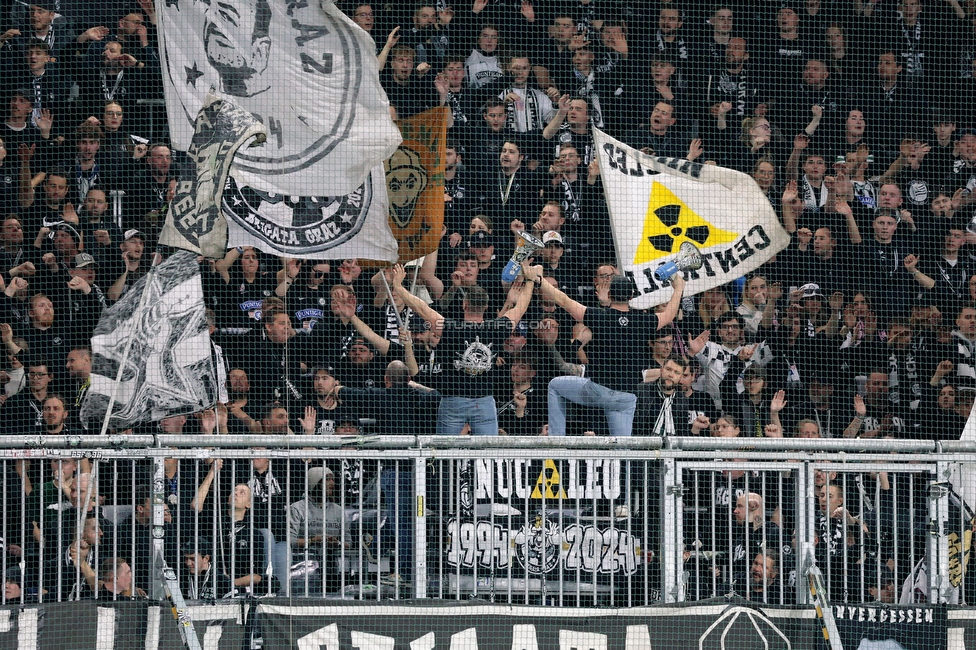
x: 854, y: 117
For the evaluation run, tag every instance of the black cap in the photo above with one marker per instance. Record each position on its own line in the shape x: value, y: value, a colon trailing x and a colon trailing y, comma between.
x: 621, y: 289
x: 64, y: 226
x: 15, y: 575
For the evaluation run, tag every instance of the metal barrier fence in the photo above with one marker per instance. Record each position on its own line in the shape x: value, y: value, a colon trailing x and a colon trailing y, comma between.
x: 565, y: 523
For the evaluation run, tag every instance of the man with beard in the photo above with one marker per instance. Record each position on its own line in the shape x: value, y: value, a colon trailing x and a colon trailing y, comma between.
x: 238, y: 393
x: 53, y: 209
x: 95, y: 222
x: 79, y: 368
x: 15, y: 258
x: 483, y: 140
x: 662, y: 405
x: 765, y: 585
x: 570, y: 127
x: 111, y: 74
x: 55, y: 413
x: 26, y: 408
x: 511, y: 190
x: 316, y: 535
x: 242, y: 73
x: 150, y: 190
x: 874, y: 414
x: 129, y: 267
x: 736, y: 91
x: 54, y: 339
x: 752, y: 533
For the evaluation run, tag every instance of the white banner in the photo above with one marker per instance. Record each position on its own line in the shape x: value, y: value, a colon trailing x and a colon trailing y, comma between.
x: 312, y: 227
x: 304, y: 69
x: 657, y: 203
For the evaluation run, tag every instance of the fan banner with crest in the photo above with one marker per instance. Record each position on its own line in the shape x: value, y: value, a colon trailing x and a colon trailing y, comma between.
x: 721, y: 211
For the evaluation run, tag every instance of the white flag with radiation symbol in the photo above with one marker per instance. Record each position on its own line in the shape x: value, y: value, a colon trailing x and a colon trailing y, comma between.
x: 658, y: 203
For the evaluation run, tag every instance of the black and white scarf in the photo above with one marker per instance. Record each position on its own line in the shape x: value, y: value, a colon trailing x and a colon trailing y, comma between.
x: 664, y: 425
x: 86, y: 180
x: 810, y: 199
x: 912, y: 55
x: 532, y: 119
x: 108, y: 94
x: 571, y: 208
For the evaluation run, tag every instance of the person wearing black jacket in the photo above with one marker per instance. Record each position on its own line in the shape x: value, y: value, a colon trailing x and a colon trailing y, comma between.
x: 662, y: 407
x: 753, y: 408
x: 399, y: 409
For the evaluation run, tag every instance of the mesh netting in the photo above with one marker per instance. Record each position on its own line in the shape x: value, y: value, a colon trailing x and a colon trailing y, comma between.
x: 295, y: 250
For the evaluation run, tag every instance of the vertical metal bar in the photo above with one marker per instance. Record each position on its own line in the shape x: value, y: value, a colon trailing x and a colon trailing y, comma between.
x: 419, y: 509
x: 804, y: 527
x: 672, y: 589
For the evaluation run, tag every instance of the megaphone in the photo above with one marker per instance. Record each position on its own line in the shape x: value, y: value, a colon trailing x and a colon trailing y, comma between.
x: 689, y: 259
x: 530, y: 244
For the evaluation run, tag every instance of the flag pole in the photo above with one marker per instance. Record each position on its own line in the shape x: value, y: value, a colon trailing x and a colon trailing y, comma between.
x: 389, y: 296
x: 157, y: 257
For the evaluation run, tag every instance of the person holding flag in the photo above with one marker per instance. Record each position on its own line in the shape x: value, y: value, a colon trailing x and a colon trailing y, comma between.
x: 468, y: 347
x: 610, y: 379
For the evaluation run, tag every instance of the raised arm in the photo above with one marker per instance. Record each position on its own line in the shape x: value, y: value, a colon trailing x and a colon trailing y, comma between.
x: 573, y: 308
x: 665, y: 317
x: 525, y: 296
x: 420, y: 307
x: 381, y: 344
x: 552, y: 128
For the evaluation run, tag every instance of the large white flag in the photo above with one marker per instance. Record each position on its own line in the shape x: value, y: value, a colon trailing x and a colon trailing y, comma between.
x: 313, y: 227
x: 657, y: 203
x: 304, y: 69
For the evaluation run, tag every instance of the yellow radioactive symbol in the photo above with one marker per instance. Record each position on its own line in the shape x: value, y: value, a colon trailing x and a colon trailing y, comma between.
x: 548, y: 481
x: 669, y: 222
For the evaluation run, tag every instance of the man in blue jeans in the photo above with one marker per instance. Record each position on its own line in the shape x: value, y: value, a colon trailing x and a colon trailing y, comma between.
x: 467, y: 351
x: 614, y: 368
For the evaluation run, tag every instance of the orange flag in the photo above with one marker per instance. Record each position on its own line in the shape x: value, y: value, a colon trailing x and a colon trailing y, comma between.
x: 415, y: 183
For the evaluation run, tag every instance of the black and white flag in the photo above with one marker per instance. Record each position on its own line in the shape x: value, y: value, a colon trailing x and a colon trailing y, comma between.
x: 194, y: 221
x: 168, y: 369
x: 304, y: 69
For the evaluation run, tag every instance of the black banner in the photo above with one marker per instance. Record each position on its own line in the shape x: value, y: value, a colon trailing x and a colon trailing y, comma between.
x: 317, y: 624
x: 436, y: 625
x: 919, y: 627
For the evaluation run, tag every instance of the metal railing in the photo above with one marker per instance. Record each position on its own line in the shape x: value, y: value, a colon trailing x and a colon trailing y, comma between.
x: 569, y: 522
